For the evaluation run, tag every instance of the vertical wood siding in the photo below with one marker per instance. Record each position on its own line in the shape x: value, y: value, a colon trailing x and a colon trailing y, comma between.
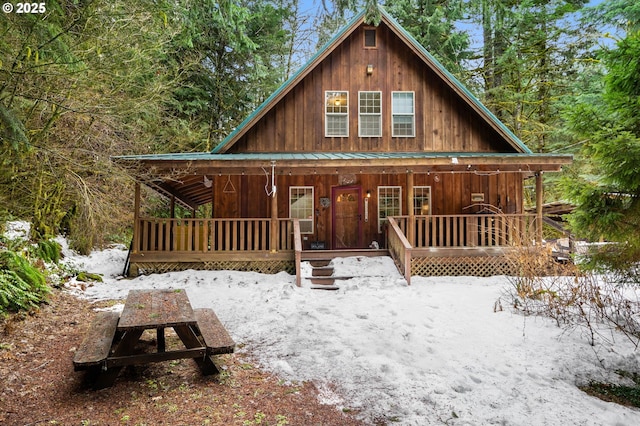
x: 451, y: 195
x: 444, y: 123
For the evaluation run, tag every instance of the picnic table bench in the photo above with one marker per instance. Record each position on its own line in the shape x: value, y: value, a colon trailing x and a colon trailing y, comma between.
x: 110, y: 343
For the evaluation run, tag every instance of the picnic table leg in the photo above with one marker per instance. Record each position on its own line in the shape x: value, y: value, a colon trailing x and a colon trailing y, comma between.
x: 106, y: 377
x: 190, y: 340
x: 161, y: 341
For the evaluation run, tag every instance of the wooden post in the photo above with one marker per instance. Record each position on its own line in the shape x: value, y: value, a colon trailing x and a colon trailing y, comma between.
x: 273, y: 241
x: 135, y: 244
x: 539, y: 200
x: 410, y: 210
x: 136, y: 219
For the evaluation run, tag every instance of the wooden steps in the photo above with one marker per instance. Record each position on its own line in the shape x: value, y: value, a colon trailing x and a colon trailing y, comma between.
x: 322, y: 273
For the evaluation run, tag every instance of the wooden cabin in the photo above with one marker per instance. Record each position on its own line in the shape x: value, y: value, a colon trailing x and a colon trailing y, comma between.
x: 372, y: 147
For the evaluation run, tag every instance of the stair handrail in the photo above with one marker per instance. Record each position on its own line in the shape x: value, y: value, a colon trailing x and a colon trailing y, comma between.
x: 399, y: 248
x: 297, y: 247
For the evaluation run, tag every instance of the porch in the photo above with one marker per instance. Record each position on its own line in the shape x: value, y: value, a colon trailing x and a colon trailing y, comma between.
x: 472, y: 244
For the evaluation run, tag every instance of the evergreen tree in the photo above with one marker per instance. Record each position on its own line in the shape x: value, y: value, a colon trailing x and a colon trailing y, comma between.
x: 608, y: 198
x: 433, y: 24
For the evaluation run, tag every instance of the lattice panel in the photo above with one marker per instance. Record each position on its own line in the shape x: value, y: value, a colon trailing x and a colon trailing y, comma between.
x: 481, y: 266
x: 264, y: 267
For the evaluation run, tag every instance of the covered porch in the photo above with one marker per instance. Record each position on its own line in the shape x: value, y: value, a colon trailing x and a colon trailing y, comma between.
x: 255, y: 228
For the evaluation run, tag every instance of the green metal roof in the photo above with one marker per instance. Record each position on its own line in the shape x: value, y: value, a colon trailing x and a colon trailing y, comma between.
x: 320, y: 156
x: 395, y: 25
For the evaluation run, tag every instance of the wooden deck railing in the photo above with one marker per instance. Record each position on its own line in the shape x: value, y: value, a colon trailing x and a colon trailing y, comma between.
x: 212, y: 235
x: 476, y: 230
x: 399, y: 248
x: 297, y: 247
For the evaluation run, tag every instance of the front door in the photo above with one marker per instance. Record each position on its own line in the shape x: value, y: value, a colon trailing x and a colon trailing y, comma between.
x: 347, y: 217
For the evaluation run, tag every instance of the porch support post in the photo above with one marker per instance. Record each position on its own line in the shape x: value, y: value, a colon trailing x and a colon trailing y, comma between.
x: 539, y: 199
x: 136, y: 219
x: 172, y: 207
x: 411, y: 221
x: 273, y: 240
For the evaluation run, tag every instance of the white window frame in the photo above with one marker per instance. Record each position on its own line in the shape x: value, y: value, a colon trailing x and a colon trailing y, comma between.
x: 424, y: 190
x: 395, y: 114
x: 307, y: 223
x: 382, y: 191
x: 369, y: 114
x: 329, y: 115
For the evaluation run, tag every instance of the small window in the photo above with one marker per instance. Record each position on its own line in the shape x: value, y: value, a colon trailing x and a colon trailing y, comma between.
x: 336, y: 109
x: 389, y: 203
x: 403, y: 114
x: 421, y: 200
x: 370, y: 117
x: 301, y: 206
x: 369, y: 37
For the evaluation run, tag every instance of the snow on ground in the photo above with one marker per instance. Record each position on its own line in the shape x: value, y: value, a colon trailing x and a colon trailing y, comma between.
x: 434, y: 352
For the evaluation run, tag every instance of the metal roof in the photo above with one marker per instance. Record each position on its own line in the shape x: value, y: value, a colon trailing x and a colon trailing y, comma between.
x: 320, y: 156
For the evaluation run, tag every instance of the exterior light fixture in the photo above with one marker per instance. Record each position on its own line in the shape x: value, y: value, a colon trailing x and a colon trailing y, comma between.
x: 369, y: 69
x: 368, y: 194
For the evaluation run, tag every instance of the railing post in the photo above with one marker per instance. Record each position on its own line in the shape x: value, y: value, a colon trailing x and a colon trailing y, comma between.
x: 411, y: 220
x: 273, y: 240
x: 539, y: 200
x: 297, y: 243
x: 136, y: 219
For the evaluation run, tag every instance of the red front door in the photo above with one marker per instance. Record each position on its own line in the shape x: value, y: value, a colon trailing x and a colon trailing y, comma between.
x: 347, y: 217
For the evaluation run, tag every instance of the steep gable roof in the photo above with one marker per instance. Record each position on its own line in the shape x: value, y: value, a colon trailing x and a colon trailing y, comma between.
x: 450, y: 80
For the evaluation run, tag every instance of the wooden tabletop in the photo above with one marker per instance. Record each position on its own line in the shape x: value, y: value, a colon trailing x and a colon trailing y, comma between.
x: 146, y: 309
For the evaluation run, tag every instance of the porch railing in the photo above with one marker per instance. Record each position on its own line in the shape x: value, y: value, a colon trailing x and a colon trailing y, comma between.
x: 212, y: 235
x: 475, y: 230
x: 400, y: 249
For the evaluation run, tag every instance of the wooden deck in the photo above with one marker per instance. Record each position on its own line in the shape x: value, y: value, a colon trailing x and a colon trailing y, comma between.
x: 419, y: 245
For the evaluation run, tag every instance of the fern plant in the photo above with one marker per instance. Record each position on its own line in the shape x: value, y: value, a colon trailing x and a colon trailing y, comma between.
x: 22, y: 285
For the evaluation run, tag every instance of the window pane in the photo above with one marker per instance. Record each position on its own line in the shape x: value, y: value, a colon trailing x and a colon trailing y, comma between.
x: 370, y: 125
x: 403, y: 103
x: 336, y: 105
x: 370, y: 113
x: 402, y: 125
x: 370, y: 103
x: 370, y: 38
x: 336, y: 102
x: 389, y: 203
x: 337, y: 125
x: 301, y: 207
x: 403, y: 114
x: 421, y: 200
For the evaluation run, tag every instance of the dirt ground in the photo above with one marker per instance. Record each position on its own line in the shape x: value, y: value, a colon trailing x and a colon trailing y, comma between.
x: 38, y: 385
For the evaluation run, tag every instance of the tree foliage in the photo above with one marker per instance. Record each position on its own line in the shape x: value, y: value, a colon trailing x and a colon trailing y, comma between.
x: 88, y: 80
x: 433, y: 24
x: 608, y: 198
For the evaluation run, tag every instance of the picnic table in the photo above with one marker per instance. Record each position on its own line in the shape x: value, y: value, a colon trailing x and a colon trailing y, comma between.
x: 110, y: 342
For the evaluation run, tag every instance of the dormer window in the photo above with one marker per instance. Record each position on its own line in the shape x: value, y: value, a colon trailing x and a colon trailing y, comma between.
x: 370, y: 37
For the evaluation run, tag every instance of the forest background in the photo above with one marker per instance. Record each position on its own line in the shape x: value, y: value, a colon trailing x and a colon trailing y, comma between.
x: 81, y: 81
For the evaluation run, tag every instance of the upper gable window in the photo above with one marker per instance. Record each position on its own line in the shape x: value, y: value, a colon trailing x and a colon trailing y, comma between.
x: 370, y: 114
x: 402, y: 114
x: 370, y: 37
x: 336, y: 113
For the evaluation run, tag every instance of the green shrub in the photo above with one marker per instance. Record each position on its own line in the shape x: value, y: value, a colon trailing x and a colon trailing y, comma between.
x: 22, y: 285
x: 49, y: 251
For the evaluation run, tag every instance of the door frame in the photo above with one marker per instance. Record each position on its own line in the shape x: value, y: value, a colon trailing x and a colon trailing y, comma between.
x: 334, y: 193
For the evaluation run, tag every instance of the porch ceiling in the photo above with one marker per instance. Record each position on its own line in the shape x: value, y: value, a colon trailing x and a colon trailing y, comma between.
x: 186, y: 176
